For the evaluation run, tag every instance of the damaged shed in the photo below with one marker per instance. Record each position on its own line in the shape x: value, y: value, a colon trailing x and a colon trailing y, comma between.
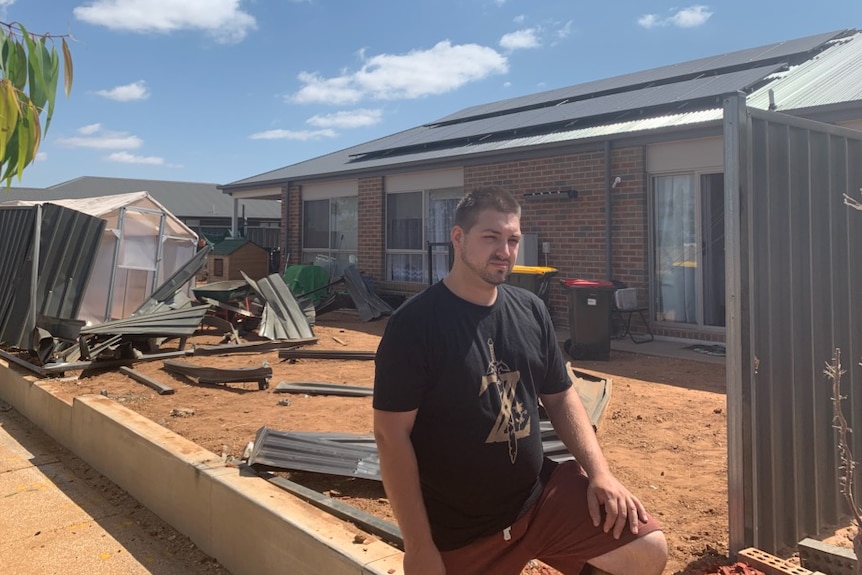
x: 142, y: 245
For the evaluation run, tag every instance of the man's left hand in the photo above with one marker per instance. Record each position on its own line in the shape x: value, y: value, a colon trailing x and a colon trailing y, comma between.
x: 621, y: 507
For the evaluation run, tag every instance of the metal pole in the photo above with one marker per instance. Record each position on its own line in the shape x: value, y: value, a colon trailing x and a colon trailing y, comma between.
x: 120, y: 218
x: 160, y: 252
x: 37, y: 254
x: 233, y: 218
x: 738, y: 453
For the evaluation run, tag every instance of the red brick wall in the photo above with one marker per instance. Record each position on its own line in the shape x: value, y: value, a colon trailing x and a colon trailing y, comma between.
x: 291, y: 212
x: 372, y: 214
x: 575, y: 228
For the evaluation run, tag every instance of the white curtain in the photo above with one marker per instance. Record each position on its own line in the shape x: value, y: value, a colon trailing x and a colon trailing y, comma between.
x: 675, y: 248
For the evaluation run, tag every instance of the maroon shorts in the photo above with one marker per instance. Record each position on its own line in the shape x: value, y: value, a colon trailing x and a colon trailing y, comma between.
x: 557, y: 530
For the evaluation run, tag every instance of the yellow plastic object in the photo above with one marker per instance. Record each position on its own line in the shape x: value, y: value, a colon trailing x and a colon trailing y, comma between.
x: 538, y: 270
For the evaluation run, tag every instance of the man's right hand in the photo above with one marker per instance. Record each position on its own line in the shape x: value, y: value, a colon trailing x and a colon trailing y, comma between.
x: 423, y: 561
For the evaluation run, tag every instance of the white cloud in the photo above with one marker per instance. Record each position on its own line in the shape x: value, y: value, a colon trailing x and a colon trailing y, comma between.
x: 89, y: 129
x: 41, y: 156
x: 127, y: 158
x: 127, y: 93
x: 520, y: 19
x: 93, y: 136
x: 223, y: 19
x: 565, y: 30
x: 690, y: 17
x: 418, y: 73
x: 301, y: 135
x: 347, y: 119
x: 522, y: 39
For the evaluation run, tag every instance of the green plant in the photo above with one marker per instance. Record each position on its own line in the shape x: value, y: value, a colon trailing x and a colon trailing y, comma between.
x: 848, y: 464
x: 29, y: 74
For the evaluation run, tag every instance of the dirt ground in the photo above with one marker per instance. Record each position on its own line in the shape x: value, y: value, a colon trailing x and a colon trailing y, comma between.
x: 664, y: 429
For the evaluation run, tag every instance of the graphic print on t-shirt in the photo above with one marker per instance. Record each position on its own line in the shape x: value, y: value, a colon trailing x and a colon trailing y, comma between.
x: 513, y: 421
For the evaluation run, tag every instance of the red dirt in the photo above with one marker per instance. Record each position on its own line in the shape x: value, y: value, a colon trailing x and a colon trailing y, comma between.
x: 666, y: 420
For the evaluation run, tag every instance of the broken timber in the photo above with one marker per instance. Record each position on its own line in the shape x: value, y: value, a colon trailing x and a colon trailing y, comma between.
x: 214, y: 375
x: 324, y: 354
x: 146, y: 380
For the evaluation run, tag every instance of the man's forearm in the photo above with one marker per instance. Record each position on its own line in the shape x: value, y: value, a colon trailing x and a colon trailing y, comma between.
x: 572, y: 425
x: 401, y: 480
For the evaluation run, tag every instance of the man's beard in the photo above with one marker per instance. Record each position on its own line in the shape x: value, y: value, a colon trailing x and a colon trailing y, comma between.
x: 495, y: 277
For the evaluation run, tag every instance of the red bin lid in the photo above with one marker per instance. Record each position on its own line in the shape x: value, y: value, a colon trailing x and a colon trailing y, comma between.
x: 588, y: 283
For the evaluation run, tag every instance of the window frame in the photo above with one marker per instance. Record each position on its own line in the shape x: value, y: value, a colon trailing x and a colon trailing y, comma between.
x: 418, y: 258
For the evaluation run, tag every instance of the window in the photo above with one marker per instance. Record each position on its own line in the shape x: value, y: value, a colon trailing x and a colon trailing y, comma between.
x: 330, y: 232
x: 413, y: 221
x: 218, y: 267
x: 688, y: 249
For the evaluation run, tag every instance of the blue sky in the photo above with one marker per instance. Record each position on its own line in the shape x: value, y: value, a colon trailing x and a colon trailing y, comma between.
x: 220, y: 90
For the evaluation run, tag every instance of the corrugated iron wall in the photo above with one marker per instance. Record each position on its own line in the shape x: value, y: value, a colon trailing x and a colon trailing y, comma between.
x: 68, y: 241
x: 794, y: 294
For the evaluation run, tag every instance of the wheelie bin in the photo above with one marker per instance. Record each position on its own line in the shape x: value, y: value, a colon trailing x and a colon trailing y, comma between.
x: 589, y: 318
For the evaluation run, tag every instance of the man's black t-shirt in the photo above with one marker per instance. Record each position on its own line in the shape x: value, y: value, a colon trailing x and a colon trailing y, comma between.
x: 474, y: 373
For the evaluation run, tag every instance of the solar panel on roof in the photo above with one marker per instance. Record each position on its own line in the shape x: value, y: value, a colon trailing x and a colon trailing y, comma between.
x: 663, y: 73
x: 683, y: 92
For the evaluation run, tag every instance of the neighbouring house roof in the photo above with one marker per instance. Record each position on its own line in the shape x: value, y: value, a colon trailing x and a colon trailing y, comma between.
x: 814, y: 72
x: 183, y: 199
x: 230, y: 245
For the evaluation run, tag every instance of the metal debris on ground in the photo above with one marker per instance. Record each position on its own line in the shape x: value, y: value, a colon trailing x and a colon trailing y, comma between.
x: 368, y: 304
x: 324, y: 354
x: 214, y: 375
x: 318, y: 388
x: 282, y: 318
x: 160, y: 387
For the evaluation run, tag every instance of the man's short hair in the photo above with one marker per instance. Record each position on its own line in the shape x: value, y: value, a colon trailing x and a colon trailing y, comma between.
x: 481, y: 199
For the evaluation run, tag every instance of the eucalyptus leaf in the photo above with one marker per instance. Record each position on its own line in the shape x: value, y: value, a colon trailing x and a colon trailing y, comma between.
x: 67, y: 68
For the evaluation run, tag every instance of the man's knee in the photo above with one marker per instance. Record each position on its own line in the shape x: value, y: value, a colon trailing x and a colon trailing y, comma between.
x: 646, y: 555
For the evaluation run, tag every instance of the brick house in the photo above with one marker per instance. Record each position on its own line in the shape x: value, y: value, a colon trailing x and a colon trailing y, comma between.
x: 620, y: 179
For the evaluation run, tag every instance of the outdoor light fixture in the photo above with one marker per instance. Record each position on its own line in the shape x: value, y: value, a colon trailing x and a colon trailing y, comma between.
x: 571, y: 194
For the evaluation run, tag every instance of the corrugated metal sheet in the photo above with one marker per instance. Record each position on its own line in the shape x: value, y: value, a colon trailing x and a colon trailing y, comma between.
x: 174, y: 322
x: 67, y: 248
x: 793, y: 292
x: 834, y: 76
x: 282, y: 317
x: 644, y: 78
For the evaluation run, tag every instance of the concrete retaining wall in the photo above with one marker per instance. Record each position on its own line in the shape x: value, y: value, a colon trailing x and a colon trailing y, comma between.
x: 247, y: 524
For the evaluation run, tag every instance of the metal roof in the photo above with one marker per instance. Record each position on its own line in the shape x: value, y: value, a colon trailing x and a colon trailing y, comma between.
x: 663, y: 74
x: 832, y: 77
x: 683, y: 94
x: 183, y: 199
x: 822, y: 69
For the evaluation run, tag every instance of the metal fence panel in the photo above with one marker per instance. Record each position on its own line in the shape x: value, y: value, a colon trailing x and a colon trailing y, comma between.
x: 794, y: 296
x: 66, y: 251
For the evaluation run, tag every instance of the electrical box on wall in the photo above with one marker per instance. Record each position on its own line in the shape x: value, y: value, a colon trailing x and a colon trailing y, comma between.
x: 528, y: 252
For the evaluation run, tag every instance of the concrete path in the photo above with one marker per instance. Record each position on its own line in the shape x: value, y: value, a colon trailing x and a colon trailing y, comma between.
x: 58, y: 516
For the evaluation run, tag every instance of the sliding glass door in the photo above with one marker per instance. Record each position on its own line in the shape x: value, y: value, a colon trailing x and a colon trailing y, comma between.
x: 688, y: 249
